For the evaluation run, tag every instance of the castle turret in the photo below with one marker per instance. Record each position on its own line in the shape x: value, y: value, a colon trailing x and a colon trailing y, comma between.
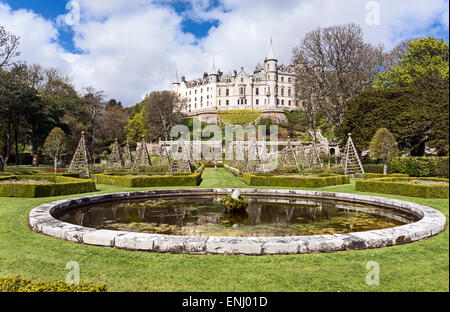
x: 213, y: 79
x: 270, y: 65
x: 176, y: 83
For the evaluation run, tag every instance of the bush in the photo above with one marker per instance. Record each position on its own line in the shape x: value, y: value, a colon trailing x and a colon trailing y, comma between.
x: 236, y: 172
x: 18, y: 284
x: 294, y: 181
x: 150, y: 180
x: 373, y: 168
x: 420, y: 166
x: 61, y: 186
x: 394, y: 185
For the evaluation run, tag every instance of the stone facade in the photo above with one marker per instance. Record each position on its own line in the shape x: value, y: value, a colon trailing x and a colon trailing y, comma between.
x: 270, y: 88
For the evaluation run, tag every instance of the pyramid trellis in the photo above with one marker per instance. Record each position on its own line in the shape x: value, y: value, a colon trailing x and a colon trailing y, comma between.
x: 183, y: 164
x: 253, y: 165
x: 115, y: 159
x: 143, y: 156
x: 126, y: 156
x: 352, y: 163
x: 288, y: 156
x: 79, y: 163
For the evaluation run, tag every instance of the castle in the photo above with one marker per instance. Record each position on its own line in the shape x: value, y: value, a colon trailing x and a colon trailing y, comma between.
x: 269, y: 89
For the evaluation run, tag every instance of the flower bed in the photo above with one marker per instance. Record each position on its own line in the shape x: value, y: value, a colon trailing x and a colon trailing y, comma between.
x: 236, y: 172
x: 152, y: 179
x: 406, y: 186
x: 295, y: 180
x: 55, y: 185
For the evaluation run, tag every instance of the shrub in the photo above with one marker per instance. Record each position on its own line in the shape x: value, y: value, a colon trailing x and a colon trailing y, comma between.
x: 18, y: 284
x: 394, y: 185
x: 150, y: 180
x: 236, y: 172
x: 373, y: 168
x: 234, y: 205
x: 295, y: 181
x: 420, y: 166
x: 61, y: 186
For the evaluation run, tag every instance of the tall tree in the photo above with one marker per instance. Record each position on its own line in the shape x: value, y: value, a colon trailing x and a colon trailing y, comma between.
x: 163, y: 109
x: 333, y: 65
x: 9, y: 45
x: 424, y: 58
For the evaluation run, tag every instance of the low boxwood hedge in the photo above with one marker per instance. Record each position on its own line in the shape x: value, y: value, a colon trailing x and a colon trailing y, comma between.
x: 394, y: 185
x: 61, y: 186
x: 380, y: 175
x: 18, y: 284
x: 153, y: 179
x: 295, y: 181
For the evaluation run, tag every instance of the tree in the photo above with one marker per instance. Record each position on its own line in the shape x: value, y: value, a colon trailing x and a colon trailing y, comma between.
x: 416, y: 115
x: 425, y: 58
x: 137, y: 126
x: 9, y: 44
x: 333, y: 65
x: 55, y: 145
x: 383, y: 147
x: 163, y: 111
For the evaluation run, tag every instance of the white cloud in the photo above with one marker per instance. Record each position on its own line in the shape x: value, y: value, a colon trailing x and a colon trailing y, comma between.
x: 132, y: 47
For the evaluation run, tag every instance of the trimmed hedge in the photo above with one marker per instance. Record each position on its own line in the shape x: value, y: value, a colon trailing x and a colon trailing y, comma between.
x: 162, y: 179
x: 380, y: 175
x: 395, y: 186
x: 18, y: 284
x: 287, y: 181
x: 236, y: 172
x: 61, y: 186
x: 420, y: 166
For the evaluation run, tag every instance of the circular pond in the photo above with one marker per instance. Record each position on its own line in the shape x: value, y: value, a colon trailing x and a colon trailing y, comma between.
x: 275, y: 222
x: 264, y: 216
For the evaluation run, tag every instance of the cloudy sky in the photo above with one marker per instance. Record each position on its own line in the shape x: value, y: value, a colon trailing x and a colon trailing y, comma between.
x: 128, y: 48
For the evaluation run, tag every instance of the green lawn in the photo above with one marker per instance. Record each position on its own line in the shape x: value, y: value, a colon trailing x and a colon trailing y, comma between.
x: 419, y: 266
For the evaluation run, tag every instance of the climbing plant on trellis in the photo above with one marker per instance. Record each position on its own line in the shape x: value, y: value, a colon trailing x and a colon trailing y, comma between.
x: 288, y: 156
x: 115, y: 158
x: 79, y: 163
x: 126, y: 156
x: 181, y: 162
x: 143, y: 156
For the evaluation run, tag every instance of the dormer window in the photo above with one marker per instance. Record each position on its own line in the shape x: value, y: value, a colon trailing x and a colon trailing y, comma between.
x: 242, y: 79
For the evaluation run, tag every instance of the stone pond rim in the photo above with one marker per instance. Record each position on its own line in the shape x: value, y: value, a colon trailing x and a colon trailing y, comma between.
x: 432, y: 222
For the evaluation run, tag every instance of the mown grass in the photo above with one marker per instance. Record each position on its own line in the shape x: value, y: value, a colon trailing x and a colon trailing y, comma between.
x: 419, y: 266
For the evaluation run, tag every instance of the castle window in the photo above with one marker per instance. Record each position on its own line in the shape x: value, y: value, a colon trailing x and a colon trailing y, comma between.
x: 207, y: 89
x: 289, y: 103
x: 242, y: 79
x: 257, y: 91
x: 282, y: 102
x: 289, y: 80
x: 289, y: 92
x: 227, y: 92
x: 219, y: 91
x: 257, y: 101
x: 219, y: 102
x: 241, y: 91
x: 282, y: 79
x: 195, y: 91
x: 245, y: 101
x: 282, y: 91
x: 228, y: 102
x: 238, y: 101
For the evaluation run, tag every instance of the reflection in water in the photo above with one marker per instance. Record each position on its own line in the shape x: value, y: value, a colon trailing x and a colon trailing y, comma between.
x: 265, y: 216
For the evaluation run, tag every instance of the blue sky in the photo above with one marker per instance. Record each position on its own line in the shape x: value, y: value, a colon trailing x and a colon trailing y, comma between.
x: 128, y: 48
x: 50, y: 10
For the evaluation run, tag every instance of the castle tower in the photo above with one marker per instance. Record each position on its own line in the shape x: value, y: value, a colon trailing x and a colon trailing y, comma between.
x: 213, y: 79
x: 176, y: 83
x: 270, y: 65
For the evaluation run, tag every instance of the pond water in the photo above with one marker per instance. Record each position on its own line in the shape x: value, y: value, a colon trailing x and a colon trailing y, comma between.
x: 265, y: 216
